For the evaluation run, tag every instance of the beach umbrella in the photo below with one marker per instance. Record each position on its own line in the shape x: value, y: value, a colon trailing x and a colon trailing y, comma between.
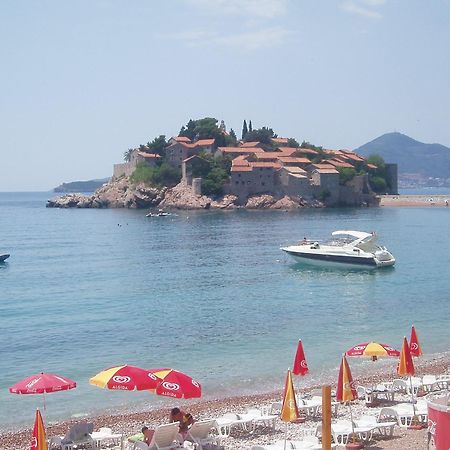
x: 373, y: 350
x: 300, y: 365
x: 289, y: 410
x: 406, y: 366
x: 176, y: 384
x: 346, y: 391
x: 414, y: 345
x: 38, y: 438
x: 42, y: 383
x: 125, y: 378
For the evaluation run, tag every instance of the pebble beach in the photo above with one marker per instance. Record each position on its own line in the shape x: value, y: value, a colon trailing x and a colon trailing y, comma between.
x: 131, y: 422
x: 415, y: 200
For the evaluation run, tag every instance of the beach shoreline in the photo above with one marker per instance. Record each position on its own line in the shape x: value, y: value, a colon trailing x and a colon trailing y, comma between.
x: 129, y: 423
x: 403, y: 200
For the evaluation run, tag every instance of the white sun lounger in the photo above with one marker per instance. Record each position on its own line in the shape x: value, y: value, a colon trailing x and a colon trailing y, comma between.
x: 200, y: 433
x: 403, y: 413
x: 255, y: 417
x: 383, y: 428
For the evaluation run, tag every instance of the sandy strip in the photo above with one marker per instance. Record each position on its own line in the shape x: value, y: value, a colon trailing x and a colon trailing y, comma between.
x: 130, y: 423
x: 415, y: 200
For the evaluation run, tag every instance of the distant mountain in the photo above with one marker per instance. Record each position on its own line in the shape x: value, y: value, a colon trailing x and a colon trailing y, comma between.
x: 412, y: 157
x: 80, y: 186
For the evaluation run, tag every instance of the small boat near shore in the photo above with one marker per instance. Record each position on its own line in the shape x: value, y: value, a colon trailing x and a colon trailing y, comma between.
x: 159, y: 213
x: 4, y: 257
x: 346, y: 248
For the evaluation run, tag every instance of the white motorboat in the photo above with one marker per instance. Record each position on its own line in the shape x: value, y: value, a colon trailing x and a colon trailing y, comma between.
x: 4, y: 257
x: 350, y: 248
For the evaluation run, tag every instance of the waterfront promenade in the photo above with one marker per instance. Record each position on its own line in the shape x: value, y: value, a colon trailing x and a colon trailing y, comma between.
x: 415, y: 200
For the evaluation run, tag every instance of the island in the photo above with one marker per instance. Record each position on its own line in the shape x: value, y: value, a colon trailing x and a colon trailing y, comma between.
x: 206, y: 166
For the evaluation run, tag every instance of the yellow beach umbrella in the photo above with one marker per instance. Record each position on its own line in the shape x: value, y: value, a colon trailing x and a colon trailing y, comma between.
x: 38, y: 439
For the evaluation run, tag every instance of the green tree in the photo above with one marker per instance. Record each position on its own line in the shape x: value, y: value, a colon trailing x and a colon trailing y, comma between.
x: 163, y: 175
x: 205, y: 128
x: 263, y: 135
x: 378, y: 176
x: 306, y: 144
x: 292, y: 143
x: 231, y: 139
x: 244, y: 130
x: 378, y: 184
x: 158, y: 145
x: 346, y: 174
x: 127, y: 155
x: 250, y: 126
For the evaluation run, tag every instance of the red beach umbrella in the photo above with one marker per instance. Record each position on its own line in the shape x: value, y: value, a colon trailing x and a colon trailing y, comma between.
x: 125, y: 378
x: 414, y: 345
x: 176, y: 384
x: 300, y: 365
x: 346, y: 391
x: 406, y: 365
x: 373, y: 350
x: 42, y: 383
x: 38, y: 439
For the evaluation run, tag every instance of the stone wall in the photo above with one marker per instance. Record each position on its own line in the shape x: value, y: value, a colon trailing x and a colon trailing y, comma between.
x: 257, y: 181
x: 123, y: 169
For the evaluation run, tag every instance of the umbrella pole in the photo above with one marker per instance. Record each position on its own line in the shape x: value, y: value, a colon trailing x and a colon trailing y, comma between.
x: 285, y: 435
x: 412, y: 396
x: 351, y: 420
x: 43, y: 395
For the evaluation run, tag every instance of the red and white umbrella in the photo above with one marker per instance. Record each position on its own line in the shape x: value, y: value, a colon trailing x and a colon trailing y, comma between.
x: 373, y: 350
x: 300, y: 365
x: 414, y: 345
x: 43, y: 383
x: 125, y: 378
x: 176, y: 384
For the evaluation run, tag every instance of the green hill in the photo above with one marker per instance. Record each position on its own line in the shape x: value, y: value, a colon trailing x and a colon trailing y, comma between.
x: 412, y: 157
x: 80, y: 186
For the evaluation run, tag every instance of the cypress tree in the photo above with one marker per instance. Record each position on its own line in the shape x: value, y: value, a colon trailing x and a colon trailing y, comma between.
x: 244, y: 129
x: 250, y: 128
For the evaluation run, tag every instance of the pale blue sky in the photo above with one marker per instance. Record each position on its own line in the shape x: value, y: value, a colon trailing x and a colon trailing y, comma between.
x: 82, y: 81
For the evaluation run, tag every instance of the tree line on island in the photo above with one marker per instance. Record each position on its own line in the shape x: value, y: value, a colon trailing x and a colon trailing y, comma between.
x: 216, y: 174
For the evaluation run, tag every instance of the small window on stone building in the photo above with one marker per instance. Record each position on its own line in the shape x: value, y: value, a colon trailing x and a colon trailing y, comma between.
x: 262, y: 183
x: 239, y: 175
x: 242, y: 182
x: 237, y: 182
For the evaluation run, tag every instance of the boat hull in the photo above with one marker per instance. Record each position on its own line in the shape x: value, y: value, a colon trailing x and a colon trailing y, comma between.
x: 320, y: 259
x: 4, y: 257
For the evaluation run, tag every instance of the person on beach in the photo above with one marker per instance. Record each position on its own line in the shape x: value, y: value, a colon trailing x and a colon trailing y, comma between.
x: 148, y: 435
x: 185, y: 420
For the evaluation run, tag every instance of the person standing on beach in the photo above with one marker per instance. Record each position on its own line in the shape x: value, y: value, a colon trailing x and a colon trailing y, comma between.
x: 185, y: 420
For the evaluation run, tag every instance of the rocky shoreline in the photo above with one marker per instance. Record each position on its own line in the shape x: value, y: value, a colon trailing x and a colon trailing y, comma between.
x: 122, y: 193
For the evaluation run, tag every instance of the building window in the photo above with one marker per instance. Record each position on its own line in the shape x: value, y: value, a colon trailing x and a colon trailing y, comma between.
x: 237, y: 182
x: 239, y: 175
x: 263, y: 184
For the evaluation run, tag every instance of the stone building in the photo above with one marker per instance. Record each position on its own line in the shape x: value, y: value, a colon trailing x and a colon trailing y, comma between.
x: 177, y: 152
x: 137, y: 156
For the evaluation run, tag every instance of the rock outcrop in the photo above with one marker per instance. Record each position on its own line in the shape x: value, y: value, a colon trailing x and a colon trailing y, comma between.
x: 122, y: 193
x: 118, y: 194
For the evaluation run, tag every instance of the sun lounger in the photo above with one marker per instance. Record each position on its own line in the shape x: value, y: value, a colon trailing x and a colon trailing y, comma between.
x: 342, y: 431
x: 164, y: 438
x: 228, y: 421
x: 105, y: 435
x: 255, y: 417
x: 383, y: 428
x: 404, y: 413
x: 78, y: 434
x: 201, y: 434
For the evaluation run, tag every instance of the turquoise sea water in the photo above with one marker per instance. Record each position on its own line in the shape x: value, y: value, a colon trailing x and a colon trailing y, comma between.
x: 207, y: 292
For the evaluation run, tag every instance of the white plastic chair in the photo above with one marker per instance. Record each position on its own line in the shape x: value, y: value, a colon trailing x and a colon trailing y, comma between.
x: 383, y: 428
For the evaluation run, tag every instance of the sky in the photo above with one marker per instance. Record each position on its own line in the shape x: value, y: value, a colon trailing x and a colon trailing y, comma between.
x: 82, y: 81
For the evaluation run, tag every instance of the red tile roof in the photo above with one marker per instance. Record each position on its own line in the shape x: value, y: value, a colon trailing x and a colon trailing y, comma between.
x: 294, y: 159
x: 280, y: 140
x: 182, y: 139
x: 241, y: 169
x: 205, y: 142
x: 250, y: 144
x: 266, y: 164
x: 268, y: 155
x: 241, y: 150
x: 332, y: 170
x: 149, y: 155
x: 294, y: 169
x: 307, y: 151
x: 372, y: 166
x: 323, y: 166
x: 337, y: 163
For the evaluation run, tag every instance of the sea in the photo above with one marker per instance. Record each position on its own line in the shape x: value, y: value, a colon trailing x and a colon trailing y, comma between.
x: 205, y: 292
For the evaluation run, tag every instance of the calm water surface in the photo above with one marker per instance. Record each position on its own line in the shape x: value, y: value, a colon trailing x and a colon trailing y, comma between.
x: 209, y: 293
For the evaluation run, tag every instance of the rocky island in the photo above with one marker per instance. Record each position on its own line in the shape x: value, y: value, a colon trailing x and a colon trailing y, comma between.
x: 207, y: 167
